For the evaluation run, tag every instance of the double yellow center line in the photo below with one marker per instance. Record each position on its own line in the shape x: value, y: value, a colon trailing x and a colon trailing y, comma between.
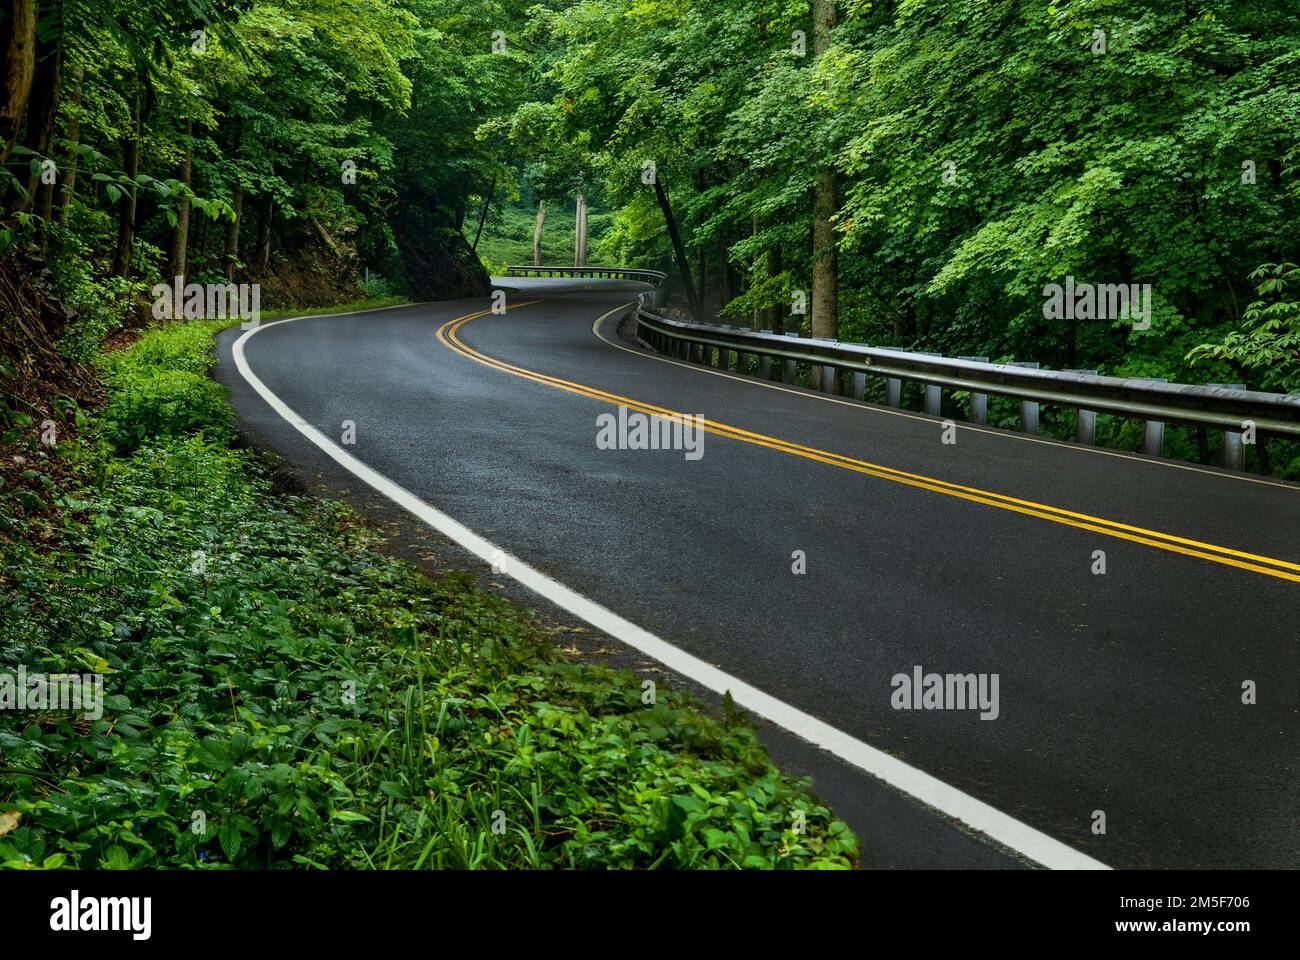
x: 447, y: 335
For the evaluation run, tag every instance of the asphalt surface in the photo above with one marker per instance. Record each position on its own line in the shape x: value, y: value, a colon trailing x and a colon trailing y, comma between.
x: 1119, y: 692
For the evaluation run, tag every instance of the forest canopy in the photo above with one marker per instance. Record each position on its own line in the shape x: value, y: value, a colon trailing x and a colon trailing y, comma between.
x: 907, y: 172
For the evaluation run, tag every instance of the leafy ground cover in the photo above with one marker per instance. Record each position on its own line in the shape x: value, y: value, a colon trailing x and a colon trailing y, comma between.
x: 280, y: 693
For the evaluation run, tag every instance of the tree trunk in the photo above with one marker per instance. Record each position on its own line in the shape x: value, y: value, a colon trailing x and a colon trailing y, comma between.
x: 177, y: 263
x: 325, y: 238
x: 67, y: 185
x: 679, y: 250
x: 42, y: 105
x: 580, y: 233
x: 126, y: 206
x: 537, y: 233
x: 17, y: 68
x: 230, y: 248
x: 730, y: 276
x: 262, y: 256
x: 775, y: 316
x: 825, y: 271
x: 487, y: 205
x: 702, y: 274
x: 231, y: 253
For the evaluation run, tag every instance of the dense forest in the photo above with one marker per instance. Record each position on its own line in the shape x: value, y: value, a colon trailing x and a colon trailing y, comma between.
x: 914, y: 172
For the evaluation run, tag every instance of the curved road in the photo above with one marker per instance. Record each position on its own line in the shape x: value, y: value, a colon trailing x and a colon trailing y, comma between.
x: 1118, y: 692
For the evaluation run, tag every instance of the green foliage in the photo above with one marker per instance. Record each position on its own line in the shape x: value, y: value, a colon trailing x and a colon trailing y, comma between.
x: 164, y: 403
x: 984, y: 150
x: 376, y: 287
x: 184, y: 347
x: 1268, y: 345
x: 101, y: 304
x: 232, y: 627
x: 508, y: 238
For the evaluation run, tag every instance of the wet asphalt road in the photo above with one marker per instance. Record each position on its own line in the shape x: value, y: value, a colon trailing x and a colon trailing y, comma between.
x: 1118, y: 692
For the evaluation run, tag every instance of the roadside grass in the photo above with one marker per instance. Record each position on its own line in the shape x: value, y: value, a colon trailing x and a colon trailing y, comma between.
x: 370, y: 304
x: 281, y: 694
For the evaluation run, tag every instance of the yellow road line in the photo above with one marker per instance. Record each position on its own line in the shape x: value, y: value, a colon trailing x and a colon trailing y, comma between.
x: 447, y: 335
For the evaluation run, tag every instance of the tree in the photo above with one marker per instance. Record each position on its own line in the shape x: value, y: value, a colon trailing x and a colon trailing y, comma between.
x: 1267, y: 346
x: 824, y: 315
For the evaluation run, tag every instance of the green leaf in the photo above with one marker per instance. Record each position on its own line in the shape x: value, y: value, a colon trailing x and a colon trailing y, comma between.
x: 230, y: 839
x: 116, y: 858
x: 349, y: 816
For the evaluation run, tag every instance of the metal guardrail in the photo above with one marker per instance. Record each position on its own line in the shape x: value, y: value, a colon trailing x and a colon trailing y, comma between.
x: 657, y: 279
x: 653, y: 277
x: 1225, y: 407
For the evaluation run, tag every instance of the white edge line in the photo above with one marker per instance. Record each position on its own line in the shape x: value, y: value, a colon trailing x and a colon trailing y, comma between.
x: 1004, y: 829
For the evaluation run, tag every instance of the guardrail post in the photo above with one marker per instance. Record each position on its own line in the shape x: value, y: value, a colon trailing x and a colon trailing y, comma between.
x: 1028, y: 408
x: 724, y: 358
x: 742, y: 362
x: 1234, y: 451
x: 893, y: 385
x: 764, y: 363
x: 979, y: 402
x: 933, y: 392
x: 1153, y: 431
x: 1085, y: 430
x: 789, y: 367
x: 859, y: 385
x: 822, y: 377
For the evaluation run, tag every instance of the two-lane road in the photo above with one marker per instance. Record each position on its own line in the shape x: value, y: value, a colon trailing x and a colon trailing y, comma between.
x: 1119, y: 692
